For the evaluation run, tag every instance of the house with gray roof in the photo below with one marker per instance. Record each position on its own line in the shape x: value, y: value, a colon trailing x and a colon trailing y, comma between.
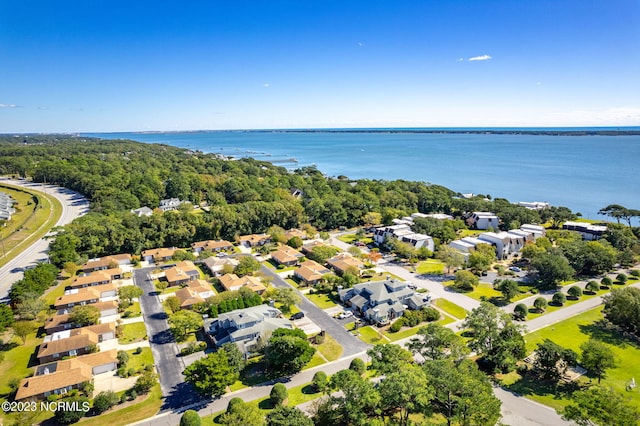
x: 382, y: 301
x: 247, y: 328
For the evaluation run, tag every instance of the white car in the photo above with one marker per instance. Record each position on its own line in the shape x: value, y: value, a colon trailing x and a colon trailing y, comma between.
x: 345, y: 314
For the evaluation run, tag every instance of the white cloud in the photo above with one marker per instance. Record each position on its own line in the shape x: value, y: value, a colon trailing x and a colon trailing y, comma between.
x: 266, y: 85
x: 8, y: 106
x: 360, y: 43
x: 480, y: 58
x: 460, y: 59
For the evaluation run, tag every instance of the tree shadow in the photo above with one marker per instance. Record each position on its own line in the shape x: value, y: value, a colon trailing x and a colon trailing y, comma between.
x: 309, y: 390
x: 182, y: 395
x: 266, y: 404
x: 498, y: 301
x: 599, y: 331
x: 531, y: 384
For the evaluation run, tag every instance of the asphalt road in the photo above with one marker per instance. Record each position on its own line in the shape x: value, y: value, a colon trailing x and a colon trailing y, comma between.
x: 73, y: 205
x: 350, y: 343
x: 176, y: 392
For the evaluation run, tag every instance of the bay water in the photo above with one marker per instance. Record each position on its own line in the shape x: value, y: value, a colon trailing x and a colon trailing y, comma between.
x: 584, y: 173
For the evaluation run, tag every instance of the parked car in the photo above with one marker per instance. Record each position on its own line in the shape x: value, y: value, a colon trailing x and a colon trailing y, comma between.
x: 515, y: 269
x: 345, y: 314
x: 297, y: 316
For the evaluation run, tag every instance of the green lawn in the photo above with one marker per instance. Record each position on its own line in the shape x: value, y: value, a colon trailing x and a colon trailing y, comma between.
x: 382, y: 277
x: 430, y: 266
x: 481, y: 292
x: 134, y: 310
x: 292, y: 282
x: 130, y: 414
x: 370, y: 335
x: 15, y: 361
x: 450, y: 308
x: 534, y: 314
x: 330, y: 349
x: 321, y: 300
x: 140, y: 360
x: 315, y: 361
x: 134, y: 332
x: 571, y: 333
x: 352, y: 238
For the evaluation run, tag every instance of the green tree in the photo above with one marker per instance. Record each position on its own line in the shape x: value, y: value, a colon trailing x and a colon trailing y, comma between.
x: 552, y: 360
x: 211, y: 375
x: 287, y: 297
x: 22, y: 329
x: 173, y: 303
x: 575, y: 292
x: 359, y: 399
x: 592, y: 286
x: 465, y: 281
x: 321, y: 254
x: 105, y: 400
x: 405, y: 392
x: 145, y: 382
x: 246, y: 265
x: 540, y: 304
x: 606, y: 281
x: 551, y: 269
x: 287, y: 416
x: 358, y: 366
x: 30, y: 306
x: 434, y: 341
x: 75, y: 412
x: 242, y: 414
x: 295, y: 242
x: 288, y: 354
x: 84, y: 315
x: 622, y: 308
x: 622, y: 278
x: 386, y: 358
x: 279, y: 394
x: 481, y: 258
x: 451, y: 257
x: 234, y: 356
x: 597, y: 357
x: 462, y: 394
x: 520, y: 311
x: 559, y: 298
x: 601, y: 406
x: 320, y: 381
x: 129, y: 292
x: 6, y: 317
x: 190, y: 418
x: 508, y: 288
x: 183, y: 323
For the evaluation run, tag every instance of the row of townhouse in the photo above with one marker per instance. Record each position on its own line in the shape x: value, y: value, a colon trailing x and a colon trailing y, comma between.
x: 506, y: 243
x: 403, y: 232
x: 588, y: 231
x: 6, y: 206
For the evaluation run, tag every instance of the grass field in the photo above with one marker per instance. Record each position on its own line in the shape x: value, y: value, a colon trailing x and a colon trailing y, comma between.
x: 351, y: 238
x: 330, y: 349
x: 430, y: 266
x: 571, y: 333
x: 134, y: 332
x: 29, y: 223
x: 370, y: 335
x: 450, y: 308
x: 130, y: 414
x: 321, y: 300
x: 481, y: 292
x: 140, y: 360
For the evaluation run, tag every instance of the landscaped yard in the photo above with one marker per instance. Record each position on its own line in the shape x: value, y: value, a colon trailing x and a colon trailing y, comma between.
x: 134, y: 332
x: 481, y: 292
x: 430, y: 266
x: 450, y: 308
x: 330, y: 349
x: 351, y: 238
x: 321, y: 300
x: 142, y: 410
x: 571, y: 333
x: 370, y: 335
x: 134, y: 310
x: 137, y: 361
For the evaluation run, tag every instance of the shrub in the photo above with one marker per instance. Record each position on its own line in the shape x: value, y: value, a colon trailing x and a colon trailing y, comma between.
x: 279, y: 394
x: 520, y: 311
x: 320, y: 381
x: 190, y: 418
x: 234, y: 403
x: 397, y: 325
x: 105, y: 400
x: 431, y: 314
x: 606, y: 282
x: 635, y: 273
x: 621, y: 278
x: 559, y: 298
x: 138, y: 350
x: 575, y: 292
x: 592, y: 286
x: 358, y: 366
x: 540, y: 304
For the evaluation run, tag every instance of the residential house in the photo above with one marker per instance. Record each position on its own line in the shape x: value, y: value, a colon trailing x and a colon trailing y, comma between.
x: 537, y: 230
x: 90, y: 280
x: 310, y: 272
x: 58, y: 323
x: 85, y: 296
x: 106, y: 262
x: 403, y: 232
x: 502, y: 241
x: 142, y: 211
x: 158, y: 255
x: 254, y: 240
x: 170, y: 204
x: 211, y: 245
x: 439, y: 216
x: 483, y: 220
x: 286, y: 256
x: 216, y: 264
x: 587, y: 230
x: 382, y: 301
x: 78, y: 344
x: 60, y: 377
x: 245, y: 327
x: 182, y: 273
x: 231, y: 282
x: 343, y: 261
x: 308, y: 247
x: 291, y: 233
x: 195, y: 292
x: 533, y: 205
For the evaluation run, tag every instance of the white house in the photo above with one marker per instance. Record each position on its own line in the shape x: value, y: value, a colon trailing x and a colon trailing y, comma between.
x: 403, y: 233
x: 587, y: 230
x: 483, y: 220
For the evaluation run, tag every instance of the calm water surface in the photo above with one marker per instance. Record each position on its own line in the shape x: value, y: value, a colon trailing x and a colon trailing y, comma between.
x: 584, y: 173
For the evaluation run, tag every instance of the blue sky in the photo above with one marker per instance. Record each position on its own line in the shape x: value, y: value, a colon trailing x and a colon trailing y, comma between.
x: 92, y: 66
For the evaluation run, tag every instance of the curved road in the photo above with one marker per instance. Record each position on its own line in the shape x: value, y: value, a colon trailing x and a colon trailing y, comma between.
x: 73, y: 205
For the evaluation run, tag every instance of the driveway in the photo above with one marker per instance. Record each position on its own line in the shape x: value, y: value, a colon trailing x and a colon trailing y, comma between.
x: 176, y: 392
x: 350, y: 344
x: 73, y: 205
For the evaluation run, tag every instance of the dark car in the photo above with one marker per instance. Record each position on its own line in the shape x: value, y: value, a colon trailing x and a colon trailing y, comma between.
x: 297, y: 316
